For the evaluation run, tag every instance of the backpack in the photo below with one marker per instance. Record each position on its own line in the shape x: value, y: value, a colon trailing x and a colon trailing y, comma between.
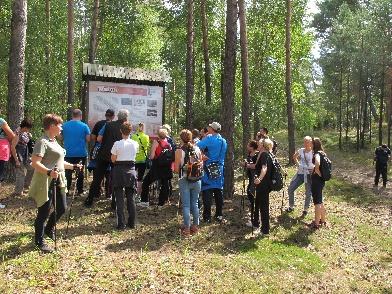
x: 276, y: 174
x: 165, y: 158
x: 193, y: 165
x: 325, y: 166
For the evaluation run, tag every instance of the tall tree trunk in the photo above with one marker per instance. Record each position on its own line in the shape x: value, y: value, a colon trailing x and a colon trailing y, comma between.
x: 245, y: 76
x: 347, y: 106
x: 229, y: 93
x: 256, y: 119
x: 16, y: 71
x: 94, y: 33
x: 70, y: 56
x: 340, y: 106
x: 47, y: 50
x: 382, y: 93
x: 207, y: 65
x: 190, y: 63
x: 289, y: 100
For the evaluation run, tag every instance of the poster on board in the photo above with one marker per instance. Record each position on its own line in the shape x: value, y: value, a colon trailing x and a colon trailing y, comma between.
x: 144, y: 103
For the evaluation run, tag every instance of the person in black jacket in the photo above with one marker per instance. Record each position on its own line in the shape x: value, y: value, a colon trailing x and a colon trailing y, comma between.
x: 111, y: 134
x: 381, y: 157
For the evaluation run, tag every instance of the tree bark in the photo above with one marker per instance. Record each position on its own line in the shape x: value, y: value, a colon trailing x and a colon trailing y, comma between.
x: 289, y: 100
x: 70, y: 56
x: 190, y: 63
x: 347, y: 106
x: 47, y: 49
x: 207, y: 65
x: 229, y: 93
x: 340, y: 106
x: 382, y: 93
x: 94, y: 33
x: 16, y: 71
x: 245, y: 77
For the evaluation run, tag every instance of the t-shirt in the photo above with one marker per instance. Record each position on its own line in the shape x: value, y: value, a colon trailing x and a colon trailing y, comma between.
x: 51, y: 152
x: 144, y: 142
x: 125, y: 149
x: 382, y: 154
x: 305, y: 161
x: 74, y: 134
x: 2, y: 133
x: 251, y: 160
x: 265, y: 159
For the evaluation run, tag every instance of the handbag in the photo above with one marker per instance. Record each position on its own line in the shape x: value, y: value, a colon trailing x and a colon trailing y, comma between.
x: 148, y: 160
x: 213, y: 168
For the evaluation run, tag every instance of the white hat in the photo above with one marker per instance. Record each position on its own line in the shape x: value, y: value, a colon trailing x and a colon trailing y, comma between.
x: 215, y: 126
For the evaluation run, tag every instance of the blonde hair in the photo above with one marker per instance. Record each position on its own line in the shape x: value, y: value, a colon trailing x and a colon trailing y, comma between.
x: 268, y: 144
x: 162, y: 133
x: 308, y: 139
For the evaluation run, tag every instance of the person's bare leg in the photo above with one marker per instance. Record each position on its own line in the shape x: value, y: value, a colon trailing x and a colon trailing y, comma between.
x: 317, y: 214
x: 323, y: 213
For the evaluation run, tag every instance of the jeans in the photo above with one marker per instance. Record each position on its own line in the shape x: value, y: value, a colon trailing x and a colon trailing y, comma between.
x: 119, y: 194
x: 80, y: 177
x: 189, y: 192
x: 23, y: 175
x: 207, y: 199
x: 43, y: 213
x: 381, y: 169
x: 297, y: 181
x: 262, y: 208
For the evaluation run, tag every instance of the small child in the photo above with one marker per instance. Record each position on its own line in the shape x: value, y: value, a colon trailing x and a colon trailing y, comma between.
x: 124, y: 176
x: 381, y: 157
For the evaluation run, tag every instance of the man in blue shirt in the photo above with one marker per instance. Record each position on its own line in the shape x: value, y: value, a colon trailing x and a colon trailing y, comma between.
x: 214, y: 147
x: 75, y: 135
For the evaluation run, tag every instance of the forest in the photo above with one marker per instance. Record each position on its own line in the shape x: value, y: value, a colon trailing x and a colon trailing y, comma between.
x: 297, y: 67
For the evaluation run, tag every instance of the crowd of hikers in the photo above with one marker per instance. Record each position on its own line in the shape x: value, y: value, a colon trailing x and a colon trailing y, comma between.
x: 125, y: 163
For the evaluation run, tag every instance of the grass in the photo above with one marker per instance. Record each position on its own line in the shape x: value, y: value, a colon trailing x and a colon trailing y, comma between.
x: 352, y: 255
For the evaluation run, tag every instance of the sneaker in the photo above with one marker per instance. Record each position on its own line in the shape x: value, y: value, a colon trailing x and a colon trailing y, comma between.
x: 185, y: 232
x: 49, y: 234
x: 137, y: 199
x: 304, y: 213
x: 2, y: 206
x: 143, y: 204
x: 289, y: 209
x: 44, y: 248
x: 194, y: 230
x: 120, y: 227
x: 220, y: 219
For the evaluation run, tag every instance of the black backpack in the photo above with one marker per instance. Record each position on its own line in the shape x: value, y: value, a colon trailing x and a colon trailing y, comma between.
x: 325, y: 166
x: 166, y: 157
x: 276, y: 174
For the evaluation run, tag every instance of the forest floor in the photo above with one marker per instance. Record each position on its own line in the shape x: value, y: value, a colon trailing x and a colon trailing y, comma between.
x: 353, y: 254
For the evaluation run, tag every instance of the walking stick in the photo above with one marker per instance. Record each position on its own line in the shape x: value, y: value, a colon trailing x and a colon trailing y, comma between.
x: 72, y: 200
x: 55, y: 209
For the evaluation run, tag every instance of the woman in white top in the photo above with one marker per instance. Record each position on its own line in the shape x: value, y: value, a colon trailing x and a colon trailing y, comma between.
x: 189, y: 188
x: 124, y: 176
x: 303, y: 158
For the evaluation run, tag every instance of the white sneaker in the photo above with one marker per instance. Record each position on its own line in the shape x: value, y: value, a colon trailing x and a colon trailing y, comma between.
x: 137, y: 199
x: 143, y: 204
x: 2, y: 206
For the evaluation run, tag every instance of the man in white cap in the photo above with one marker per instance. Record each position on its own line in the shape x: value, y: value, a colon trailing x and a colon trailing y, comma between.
x: 214, y: 147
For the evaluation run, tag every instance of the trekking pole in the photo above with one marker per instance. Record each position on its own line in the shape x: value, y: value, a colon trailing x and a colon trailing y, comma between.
x: 72, y: 200
x: 54, y: 181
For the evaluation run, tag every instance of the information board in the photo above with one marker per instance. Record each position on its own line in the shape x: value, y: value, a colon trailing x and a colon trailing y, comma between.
x: 144, y: 103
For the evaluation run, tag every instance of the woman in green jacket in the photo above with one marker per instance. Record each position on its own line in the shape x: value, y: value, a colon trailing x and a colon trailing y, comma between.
x: 49, y: 165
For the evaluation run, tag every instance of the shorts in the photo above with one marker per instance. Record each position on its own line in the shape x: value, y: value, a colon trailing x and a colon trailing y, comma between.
x: 317, y: 189
x: 5, y: 150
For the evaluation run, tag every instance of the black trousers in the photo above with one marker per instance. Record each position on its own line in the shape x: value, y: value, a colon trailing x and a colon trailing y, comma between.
x: 251, y: 191
x: 207, y: 202
x: 381, y: 169
x: 119, y: 194
x: 140, y: 169
x: 44, y: 210
x: 98, y: 175
x: 262, y: 208
x: 68, y: 173
x: 164, y: 190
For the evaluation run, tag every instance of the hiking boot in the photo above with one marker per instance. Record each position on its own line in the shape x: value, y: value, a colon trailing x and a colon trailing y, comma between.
x: 194, y: 229
x: 44, y: 248
x: 120, y: 227
x: 304, y: 213
x: 289, y: 209
x: 185, y: 232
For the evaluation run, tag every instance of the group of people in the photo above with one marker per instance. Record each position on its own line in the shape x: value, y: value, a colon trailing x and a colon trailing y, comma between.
x: 121, y: 155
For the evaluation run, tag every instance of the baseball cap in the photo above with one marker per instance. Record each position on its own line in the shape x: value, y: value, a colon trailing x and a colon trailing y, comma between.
x: 109, y: 112
x: 215, y: 126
